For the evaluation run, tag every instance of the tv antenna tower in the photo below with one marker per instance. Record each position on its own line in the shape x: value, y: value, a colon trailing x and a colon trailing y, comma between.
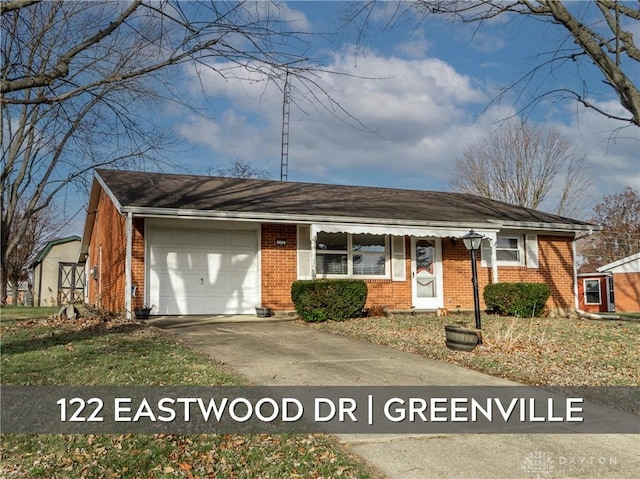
x: 286, y: 107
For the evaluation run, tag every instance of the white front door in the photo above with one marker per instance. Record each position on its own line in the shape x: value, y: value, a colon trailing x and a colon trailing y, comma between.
x: 426, y: 273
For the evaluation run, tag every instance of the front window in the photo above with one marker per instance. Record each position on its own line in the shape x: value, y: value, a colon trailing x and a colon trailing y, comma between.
x: 592, y: 291
x: 351, y: 255
x: 369, y: 254
x: 509, y: 250
x: 332, y: 253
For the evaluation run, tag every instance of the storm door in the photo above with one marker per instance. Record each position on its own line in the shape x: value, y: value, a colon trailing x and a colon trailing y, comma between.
x: 426, y: 273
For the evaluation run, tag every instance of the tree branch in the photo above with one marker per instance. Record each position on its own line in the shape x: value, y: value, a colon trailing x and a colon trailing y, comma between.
x: 61, y: 68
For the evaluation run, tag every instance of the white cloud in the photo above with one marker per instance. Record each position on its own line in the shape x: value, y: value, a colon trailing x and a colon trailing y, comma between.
x: 418, y: 109
x: 416, y: 47
x: 423, y: 112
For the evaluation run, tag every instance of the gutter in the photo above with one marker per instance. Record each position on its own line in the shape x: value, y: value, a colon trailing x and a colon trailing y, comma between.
x: 563, y: 227
x: 292, y: 218
x: 496, y: 225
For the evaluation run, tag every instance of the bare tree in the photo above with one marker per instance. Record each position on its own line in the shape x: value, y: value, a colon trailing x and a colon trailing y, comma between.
x: 598, y: 33
x: 242, y: 169
x: 83, y: 82
x: 38, y: 232
x: 619, y: 216
x: 525, y: 166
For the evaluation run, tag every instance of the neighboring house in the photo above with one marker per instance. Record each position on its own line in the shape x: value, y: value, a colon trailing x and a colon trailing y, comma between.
x: 626, y: 283
x: 57, y: 277
x: 595, y: 290
x: 203, y: 245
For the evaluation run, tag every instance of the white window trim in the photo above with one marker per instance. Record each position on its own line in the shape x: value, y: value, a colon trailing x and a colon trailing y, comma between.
x: 349, y: 252
x: 304, y: 253
x: 520, y: 248
x: 584, y: 287
x: 398, y: 258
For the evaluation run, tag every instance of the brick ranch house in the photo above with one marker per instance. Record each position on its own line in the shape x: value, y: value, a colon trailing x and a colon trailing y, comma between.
x: 204, y: 245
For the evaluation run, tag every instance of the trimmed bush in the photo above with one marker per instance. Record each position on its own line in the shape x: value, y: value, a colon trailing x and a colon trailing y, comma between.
x: 325, y: 299
x: 524, y: 300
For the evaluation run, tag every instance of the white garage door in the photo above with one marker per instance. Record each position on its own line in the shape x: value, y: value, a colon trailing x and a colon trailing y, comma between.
x: 202, y: 271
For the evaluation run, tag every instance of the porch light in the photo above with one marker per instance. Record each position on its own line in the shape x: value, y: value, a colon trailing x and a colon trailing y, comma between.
x: 472, y: 242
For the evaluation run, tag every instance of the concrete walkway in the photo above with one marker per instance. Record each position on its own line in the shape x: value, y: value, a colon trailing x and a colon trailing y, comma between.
x: 281, y: 352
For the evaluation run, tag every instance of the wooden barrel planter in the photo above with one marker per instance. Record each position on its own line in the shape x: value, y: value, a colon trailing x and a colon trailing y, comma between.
x: 460, y: 338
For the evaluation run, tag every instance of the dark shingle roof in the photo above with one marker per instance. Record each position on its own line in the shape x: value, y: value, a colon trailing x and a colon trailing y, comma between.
x: 139, y: 190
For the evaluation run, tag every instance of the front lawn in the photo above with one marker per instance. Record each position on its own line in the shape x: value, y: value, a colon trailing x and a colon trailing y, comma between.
x: 539, y: 351
x: 101, y: 350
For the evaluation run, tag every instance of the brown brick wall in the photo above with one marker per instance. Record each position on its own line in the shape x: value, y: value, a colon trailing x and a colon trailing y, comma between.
x: 626, y: 288
x: 279, y: 271
x: 456, y: 275
x: 107, y: 250
x: 279, y: 265
x: 555, y: 267
x: 137, y: 262
x: 555, y: 258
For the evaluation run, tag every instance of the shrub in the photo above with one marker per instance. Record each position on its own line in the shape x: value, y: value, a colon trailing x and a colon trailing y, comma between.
x: 517, y: 299
x: 336, y: 299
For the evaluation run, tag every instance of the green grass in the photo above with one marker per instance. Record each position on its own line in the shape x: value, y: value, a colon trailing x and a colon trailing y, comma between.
x: 539, y: 351
x: 38, y: 349
x: 13, y: 314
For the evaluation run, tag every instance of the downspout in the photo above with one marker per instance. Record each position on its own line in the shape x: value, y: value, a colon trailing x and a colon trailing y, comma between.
x: 127, y: 265
x: 574, y: 256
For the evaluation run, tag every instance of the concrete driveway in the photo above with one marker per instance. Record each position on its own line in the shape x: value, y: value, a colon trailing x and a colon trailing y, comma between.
x: 281, y: 352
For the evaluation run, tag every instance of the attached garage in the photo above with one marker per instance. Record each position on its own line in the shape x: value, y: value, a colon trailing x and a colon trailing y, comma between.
x: 196, y: 271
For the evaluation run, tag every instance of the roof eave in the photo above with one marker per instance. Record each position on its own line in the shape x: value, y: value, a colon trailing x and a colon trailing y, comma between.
x: 620, y: 262
x: 89, y: 221
x: 555, y: 227
x: 45, y: 250
x: 308, y: 219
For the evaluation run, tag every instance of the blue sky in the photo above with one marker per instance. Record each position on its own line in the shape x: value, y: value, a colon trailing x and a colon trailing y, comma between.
x: 420, y: 94
x: 427, y: 92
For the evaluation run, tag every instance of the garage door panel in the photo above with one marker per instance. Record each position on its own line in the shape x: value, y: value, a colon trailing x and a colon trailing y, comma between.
x: 189, y: 237
x: 243, y: 240
x: 215, y: 241
x: 170, y: 304
x: 202, y: 272
x: 167, y: 257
